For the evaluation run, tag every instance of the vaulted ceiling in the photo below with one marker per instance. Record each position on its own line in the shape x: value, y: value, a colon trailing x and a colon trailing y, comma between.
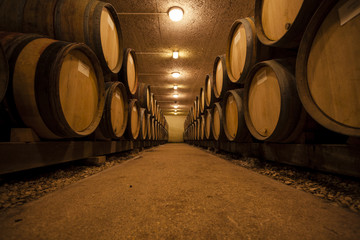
x: 199, y: 37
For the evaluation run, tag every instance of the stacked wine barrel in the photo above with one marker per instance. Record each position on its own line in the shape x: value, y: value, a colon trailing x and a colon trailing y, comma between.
x: 289, y: 75
x: 66, y: 74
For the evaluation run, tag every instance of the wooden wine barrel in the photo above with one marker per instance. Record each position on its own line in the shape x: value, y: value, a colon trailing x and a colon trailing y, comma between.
x: 196, y: 108
x: 149, y: 126
x: 208, y: 121
x: 128, y: 74
x: 193, y: 112
x: 152, y: 101
x: 328, y: 67
x: 209, y: 91
x: 198, y: 128
x: 202, y: 127
x: 241, y: 50
x: 234, y: 122
x: 189, y: 132
x: 4, y: 73
x: 155, y: 109
x: 58, y: 88
x: 272, y: 108
x: 133, y: 126
x: 202, y: 101
x: 195, y: 130
x: 187, y: 121
x: 159, y: 131
x: 166, y: 125
x: 281, y: 23
x: 12, y: 44
x: 158, y: 111
x: 92, y: 22
x: 217, y: 124
x: 115, y: 116
x: 221, y: 82
x: 143, y: 95
x: 11, y: 15
x: 156, y: 129
x: 153, y: 130
x: 143, y: 124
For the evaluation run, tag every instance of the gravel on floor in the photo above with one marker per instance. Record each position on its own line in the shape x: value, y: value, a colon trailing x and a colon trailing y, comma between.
x: 342, y: 191
x: 22, y: 187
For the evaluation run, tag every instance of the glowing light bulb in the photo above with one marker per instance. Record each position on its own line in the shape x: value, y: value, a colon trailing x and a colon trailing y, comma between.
x: 175, y: 74
x: 175, y: 87
x: 175, y: 54
x: 176, y: 95
x: 176, y: 106
x: 176, y: 13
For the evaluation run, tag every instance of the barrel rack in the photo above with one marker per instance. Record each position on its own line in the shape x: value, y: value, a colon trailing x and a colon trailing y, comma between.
x: 335, y: 158
x: 17, y: 156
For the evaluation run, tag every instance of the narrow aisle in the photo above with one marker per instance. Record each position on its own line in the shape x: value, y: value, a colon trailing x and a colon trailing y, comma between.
x: 176, y: 191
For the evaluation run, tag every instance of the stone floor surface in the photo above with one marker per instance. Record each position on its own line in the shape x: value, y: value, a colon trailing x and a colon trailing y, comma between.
x: 177, y: 191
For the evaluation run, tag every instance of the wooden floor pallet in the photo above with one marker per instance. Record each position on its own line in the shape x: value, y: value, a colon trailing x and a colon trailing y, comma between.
x: 15, y: 156
x: 335, y: 158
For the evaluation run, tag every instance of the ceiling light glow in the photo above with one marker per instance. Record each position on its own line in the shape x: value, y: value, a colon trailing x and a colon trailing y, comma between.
x: 175, y: 54
x: 176, y: 106
x: 176, y: 95
x: 175, y: 74
x: 176, y: 13
x: 175, y: 87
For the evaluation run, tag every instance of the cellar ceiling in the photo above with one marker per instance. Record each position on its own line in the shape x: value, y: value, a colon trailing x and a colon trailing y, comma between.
x: 199, y: 37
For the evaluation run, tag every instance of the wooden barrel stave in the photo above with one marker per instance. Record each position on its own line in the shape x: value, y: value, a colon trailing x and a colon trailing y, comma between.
x: 38, y: 17
x: 4, y: 74
x: 11, y: 15
x: 12, y: 44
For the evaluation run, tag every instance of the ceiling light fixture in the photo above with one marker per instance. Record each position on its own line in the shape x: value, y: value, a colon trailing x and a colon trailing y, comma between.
x: 175, y: 113
x: 176, y: 106
x: 176, y: 95
x: 176, y: 13
x: 175, y: 74
x: 175, y: 87
x: 175, y: 110
x: 175, y: 54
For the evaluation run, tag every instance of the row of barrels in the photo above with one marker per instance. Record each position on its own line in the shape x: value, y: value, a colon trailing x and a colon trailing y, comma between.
x: 276, y: 94
x: 59, y: 90
x: 92, y: 22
